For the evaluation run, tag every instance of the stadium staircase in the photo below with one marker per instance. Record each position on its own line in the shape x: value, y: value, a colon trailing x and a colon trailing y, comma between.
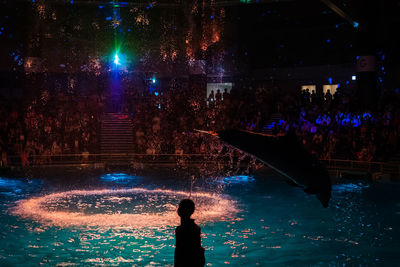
x: 276, y: 119
x: 116, y: 135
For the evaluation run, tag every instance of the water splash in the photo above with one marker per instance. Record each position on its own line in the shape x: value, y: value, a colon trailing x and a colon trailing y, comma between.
x: 55, y: 208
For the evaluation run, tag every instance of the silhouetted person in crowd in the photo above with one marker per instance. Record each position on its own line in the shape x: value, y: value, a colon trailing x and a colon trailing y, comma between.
x: 218, y: 97
x: 211, y: 99
x: 188, y: 249
x: 328, y: 95
x: 306, y: 96
x: 225, y: 95
x: 314, y: 97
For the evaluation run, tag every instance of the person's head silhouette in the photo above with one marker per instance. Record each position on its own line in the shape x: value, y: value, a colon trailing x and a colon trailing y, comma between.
x: 186, y: 208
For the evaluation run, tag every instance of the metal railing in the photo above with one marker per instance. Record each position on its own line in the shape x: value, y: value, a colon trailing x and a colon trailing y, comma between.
x: 362, y: 166
x: 82, y: 158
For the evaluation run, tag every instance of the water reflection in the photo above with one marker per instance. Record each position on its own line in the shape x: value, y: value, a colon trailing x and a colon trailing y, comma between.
x: 120, y: 178
x: 349, y: 187
x: 236, y: 179
x: 10, y: 187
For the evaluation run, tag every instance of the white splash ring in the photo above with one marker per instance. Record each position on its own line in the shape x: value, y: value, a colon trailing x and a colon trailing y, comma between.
x: 219, y: 208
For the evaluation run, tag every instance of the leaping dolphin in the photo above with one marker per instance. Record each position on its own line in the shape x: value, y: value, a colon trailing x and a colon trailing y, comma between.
x: 285, y: 155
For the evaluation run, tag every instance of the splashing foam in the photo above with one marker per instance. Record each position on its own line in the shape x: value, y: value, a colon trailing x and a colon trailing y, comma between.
x: 214, y: 208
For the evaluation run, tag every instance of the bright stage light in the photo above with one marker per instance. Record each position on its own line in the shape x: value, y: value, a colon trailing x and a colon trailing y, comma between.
x: 116, y: 60
x: 354, y: 77
x: 154, y: 80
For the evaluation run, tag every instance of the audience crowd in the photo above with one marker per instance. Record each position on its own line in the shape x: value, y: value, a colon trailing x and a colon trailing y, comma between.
x: 335, y: 127
x: 46, y: 126
x: 331, y: 126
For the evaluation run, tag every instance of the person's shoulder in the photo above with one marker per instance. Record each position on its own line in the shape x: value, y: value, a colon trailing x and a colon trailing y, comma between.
x: 181, y: 229
x: 188, y: 227
x: 195, y: 226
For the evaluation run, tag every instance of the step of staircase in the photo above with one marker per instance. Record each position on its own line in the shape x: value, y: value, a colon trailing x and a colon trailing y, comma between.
x: 116, y: 134
x: 395, y: 159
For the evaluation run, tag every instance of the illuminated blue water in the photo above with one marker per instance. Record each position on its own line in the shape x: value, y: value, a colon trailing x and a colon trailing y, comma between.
x: 278, y: 225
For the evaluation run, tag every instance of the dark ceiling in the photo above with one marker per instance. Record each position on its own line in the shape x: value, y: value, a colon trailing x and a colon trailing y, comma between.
x: 255, y: 34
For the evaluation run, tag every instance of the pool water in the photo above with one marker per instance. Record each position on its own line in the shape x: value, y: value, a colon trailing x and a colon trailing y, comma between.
x: 122, y: 219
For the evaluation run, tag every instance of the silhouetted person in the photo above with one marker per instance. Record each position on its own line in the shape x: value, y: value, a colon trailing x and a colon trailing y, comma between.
x: 225, y: 95
x: 218, y: 97
x: 188, y: 250
x: 314, y: 97
x: 306, y: 96
x: 328, y: 95
x: 211, y: 99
